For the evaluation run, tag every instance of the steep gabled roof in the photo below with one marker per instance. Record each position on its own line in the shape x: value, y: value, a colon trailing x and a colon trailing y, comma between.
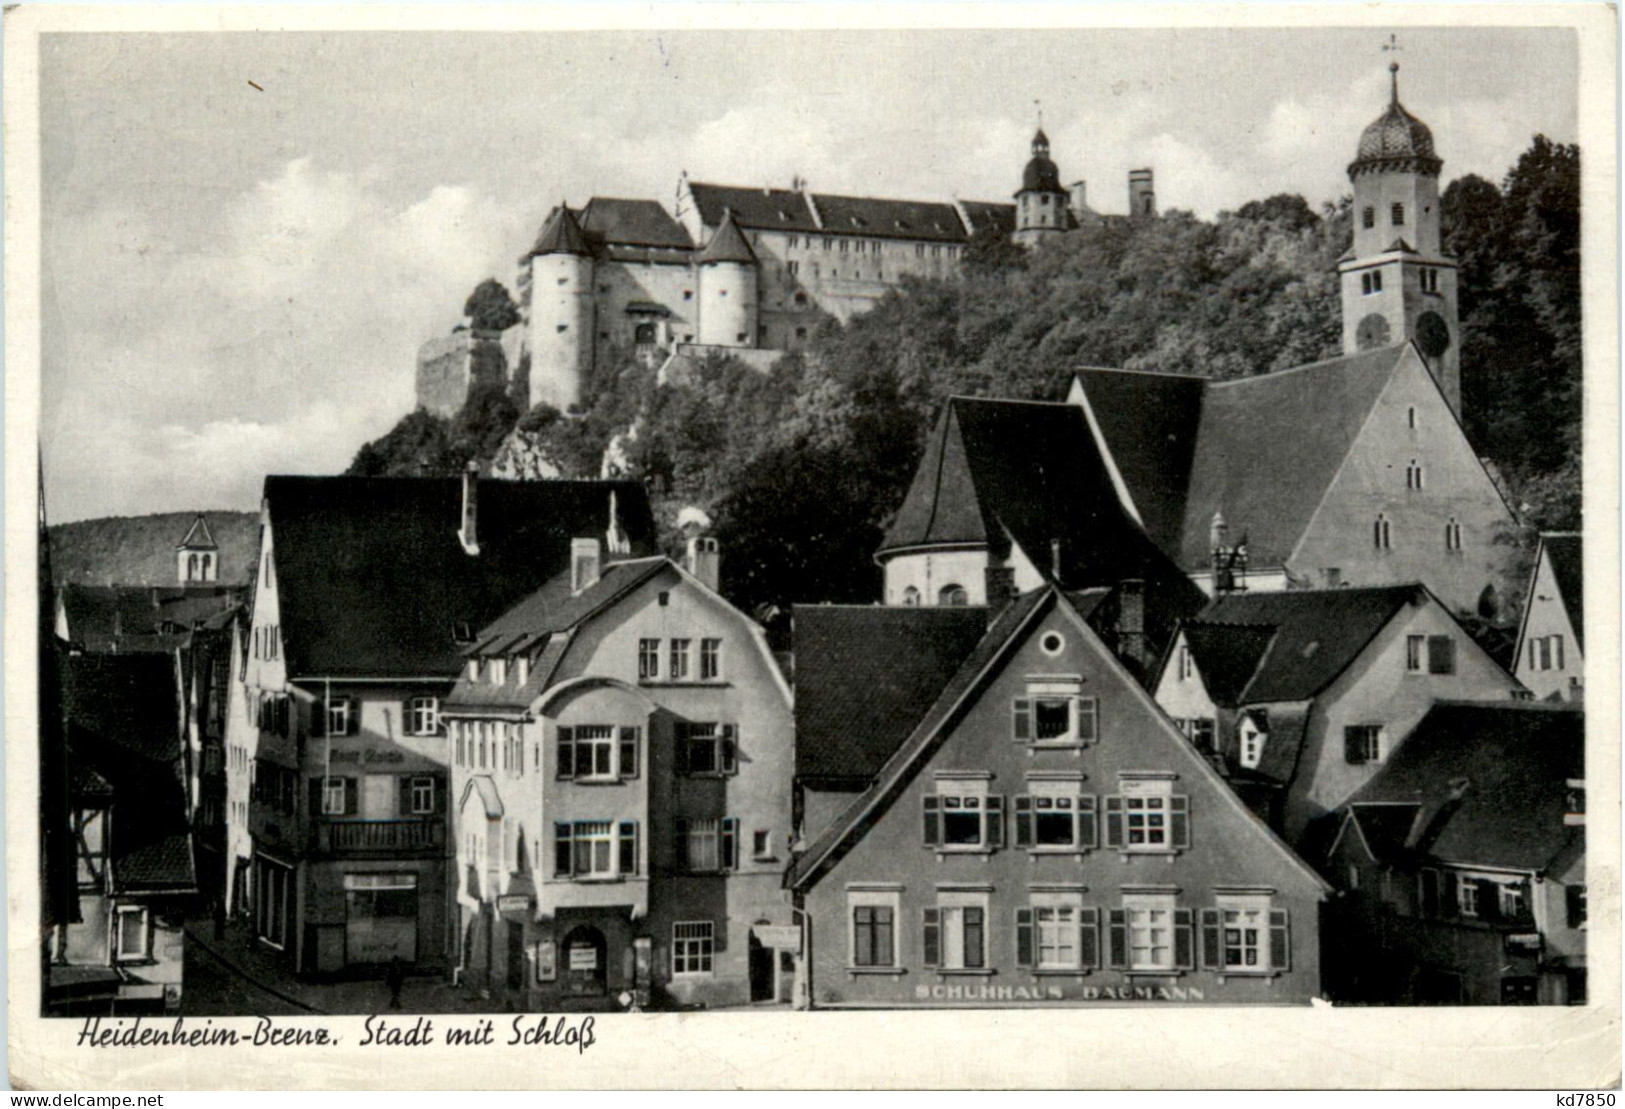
x: 1317, y: 634
x: 727, y: 244
x: 996, y: 471
x: 889, y: 219
x: 982, y: 213
x: 372, y: 579
x: 1227, y: 656
x: 1566, y: 551
x: 198, y: 537
x: 864, y: 677
x: 612, y: 221
x: 1491, y: 780
x: 1269, y: 447
x: 1385, y: 827
x: 1149, y: 422
x: 545, y: 620
x: 758, y: 209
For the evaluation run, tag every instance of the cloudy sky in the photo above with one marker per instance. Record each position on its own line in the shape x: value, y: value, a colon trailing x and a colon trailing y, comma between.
x: 236, y: 281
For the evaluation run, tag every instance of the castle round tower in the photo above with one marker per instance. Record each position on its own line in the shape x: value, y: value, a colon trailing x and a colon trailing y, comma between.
x: 1397, y: 283
x: 1041, y: 203
x: 562, y: 313
x: 727, y: 281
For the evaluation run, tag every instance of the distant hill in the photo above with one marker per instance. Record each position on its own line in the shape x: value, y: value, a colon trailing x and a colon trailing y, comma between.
x: 140, y: 550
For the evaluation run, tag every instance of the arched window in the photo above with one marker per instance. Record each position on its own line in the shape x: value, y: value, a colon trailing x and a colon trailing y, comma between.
x: 1413, y: 475
x: 1381, y: 537
x: 911, y: 596
x: 191, y: 567
x: 1452, y: 535
x: 953, y: 595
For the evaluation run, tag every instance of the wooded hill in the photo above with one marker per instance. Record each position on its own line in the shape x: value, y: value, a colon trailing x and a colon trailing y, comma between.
x: 140, y: 550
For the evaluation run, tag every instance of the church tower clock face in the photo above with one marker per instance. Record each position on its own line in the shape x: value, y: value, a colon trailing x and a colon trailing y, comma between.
x: 1432, y: 334
x: 1373, y: 332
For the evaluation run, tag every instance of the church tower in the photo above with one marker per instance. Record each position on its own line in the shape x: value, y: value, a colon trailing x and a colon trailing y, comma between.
x: 1397, y: 284
x: 1041, y: 205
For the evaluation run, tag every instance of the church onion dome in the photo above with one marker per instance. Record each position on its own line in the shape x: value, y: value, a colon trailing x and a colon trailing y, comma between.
x: 561, y: 234
x: 1396, y: 140
x: 728, y: 244
x: 1041, y: 175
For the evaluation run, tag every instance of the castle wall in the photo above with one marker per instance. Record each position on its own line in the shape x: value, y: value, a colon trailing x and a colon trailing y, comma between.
x: 728, y: 304
x: 562, y: 325
x: 443, y: 374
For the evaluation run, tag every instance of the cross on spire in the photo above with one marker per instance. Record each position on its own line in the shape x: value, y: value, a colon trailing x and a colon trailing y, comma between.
x: 1392, y: 47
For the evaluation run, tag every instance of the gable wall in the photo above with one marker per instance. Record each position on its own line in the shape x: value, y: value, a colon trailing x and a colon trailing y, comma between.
x: 1547, y: 616
x: 1372, y: 480
x: 1227, y: 847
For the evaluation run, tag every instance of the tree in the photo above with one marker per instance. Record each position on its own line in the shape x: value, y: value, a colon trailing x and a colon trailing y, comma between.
x: 490, y: 308
x: 418, y: 446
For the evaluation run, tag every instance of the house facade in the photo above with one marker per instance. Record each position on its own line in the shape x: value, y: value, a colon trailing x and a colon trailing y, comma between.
x: 621, y: 772
x: 366, y: 592
x: 1461, y: 866
x: 1550, y: 653
x: 1301, y: 697
x: 1045, y: 836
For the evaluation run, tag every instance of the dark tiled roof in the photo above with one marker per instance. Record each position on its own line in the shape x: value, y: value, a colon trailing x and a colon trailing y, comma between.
x: 132, y: 618
x: 1386, y: 826
x: 542, y: 620
x: 1227, y: 656
x: 1269, y: 447
x: 981, y: 213
x: 864, y: 677
x: 890, y: 776
x: 164, y: 862
x: 1509, y: 763
x: 1279, y: 760
x: 889, y: 219
x: 1318, y: 633
x: 560, y: 234
x: 758, y: 209
x: 372, y: 578
x: 1149, y: 422
x: 126, y: 703
x: 608, y: 221
x: 727, y: 244
x: 1567, y: 552
x: 198, y: 536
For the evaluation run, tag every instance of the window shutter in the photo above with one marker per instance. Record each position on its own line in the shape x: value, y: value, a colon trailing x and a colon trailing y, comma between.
x: 1441, y: 654
x: 681, y: 826
x: 730, y: 749
x: 561, y: 849
x: 1353, y: 745
x: 730, y: 843
x: 1489, y: 899
x: 1212, y: 949
x: 975, y: 936
x: 932, y: 938
x: 995, y: 820
x: 1118, y: 927
x: 407, y: 723
x: 1088, y: 829
x: 1024, y: 824
x: 628, y: 847
x: 1179, y: 820
x: 315, y: 797
x: 1184, y: 956
x: 1021, y: 729
x: 1024, y: 937
x: 1089, y: 938
x: 1088, y: 719
x: 1574, y: 903
x: 1559, y: 641
x: 680, y: 755
x: 351, y: 800
x: 1280, y: 941
x: 439, y: 787
x: 405, y: 784
x: 567, y: 753
x: 1114, y: 821
x: 1449, y: 889
x: 629, y: 751
x: 932, y: 823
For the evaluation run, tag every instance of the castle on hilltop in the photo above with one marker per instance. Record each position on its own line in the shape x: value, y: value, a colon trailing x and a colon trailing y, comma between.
x: 745, y: 271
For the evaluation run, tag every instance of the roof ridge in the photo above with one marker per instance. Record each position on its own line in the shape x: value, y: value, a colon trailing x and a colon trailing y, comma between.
x: 955, y: 397
x: 1144, y: 373
x: 1269, y: 375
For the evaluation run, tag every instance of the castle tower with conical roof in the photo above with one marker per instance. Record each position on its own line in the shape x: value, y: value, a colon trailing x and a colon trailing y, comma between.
x: 727, y: 279
x: 562, y: 312
x: 1397, y: 283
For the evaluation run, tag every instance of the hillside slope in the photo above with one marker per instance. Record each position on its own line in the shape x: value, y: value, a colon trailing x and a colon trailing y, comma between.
x: 140, y: 550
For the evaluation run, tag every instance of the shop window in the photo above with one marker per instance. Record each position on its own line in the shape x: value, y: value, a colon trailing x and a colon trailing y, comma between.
x: 1244, y: 934
x: 1057, y: 933
x: 1150, y: 933
x: 955, y: 933
x: 1148, y: 816
x: 693, y: 946
x: 874, y: 931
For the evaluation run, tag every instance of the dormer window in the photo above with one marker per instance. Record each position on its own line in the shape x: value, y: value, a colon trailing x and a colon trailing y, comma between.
x: 521, y: 670
x: 461, y: 632
x: 498, y: 670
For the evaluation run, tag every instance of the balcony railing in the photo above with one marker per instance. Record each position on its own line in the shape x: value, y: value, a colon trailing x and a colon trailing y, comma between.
x: 379, y: 835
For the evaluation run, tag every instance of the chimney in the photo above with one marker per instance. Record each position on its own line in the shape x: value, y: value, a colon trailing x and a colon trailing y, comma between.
x: 468, y: 533
x: 1131, y: 638
x: 1079, y: 198
x: 585, y: 564
x: 1000, y: 580
x: 704, y: 561
x: 1142, y: 195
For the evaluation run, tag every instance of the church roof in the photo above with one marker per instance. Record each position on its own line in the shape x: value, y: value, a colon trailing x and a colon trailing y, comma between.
x: 1189, y: 447
x: 374, y: 582
x: 610, y: 221
x: 1565, y: 551
x: 728, y: 244
x: 1396, y: 137
x: 561, y: 234
x: 198, y: 537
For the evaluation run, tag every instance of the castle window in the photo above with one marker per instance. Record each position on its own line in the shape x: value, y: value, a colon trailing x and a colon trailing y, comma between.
x: 792, y: 267
x: 826, y: 242
x: 1368, y: 217
x: 563, y: 327
x: 739, y: 337
x: 688, y: 294
x: 911, y: 596
x: 645, y: 333
x: 1410, y: 415
x: 1371, y: 282
x: 1398, y: 215
x: 843, y: 246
